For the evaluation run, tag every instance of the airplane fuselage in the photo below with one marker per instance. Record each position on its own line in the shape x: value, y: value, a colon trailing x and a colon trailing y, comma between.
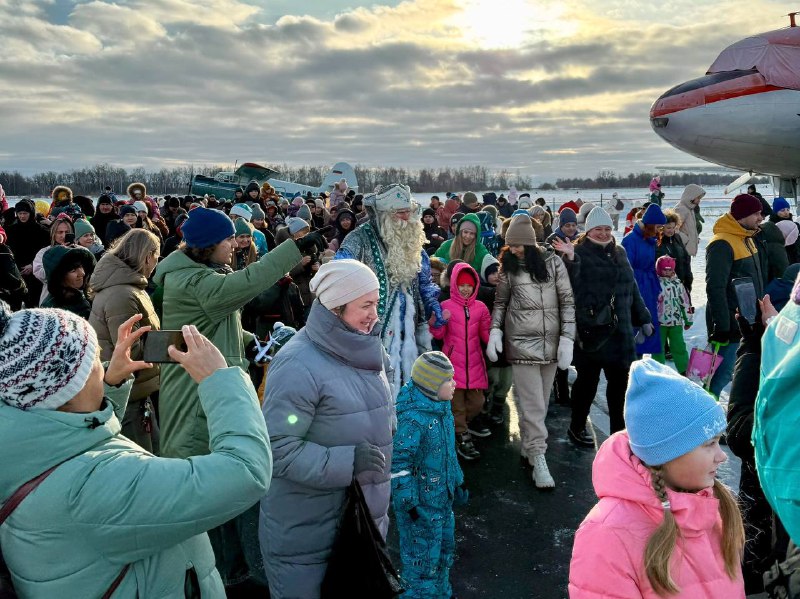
x: 734, y: 119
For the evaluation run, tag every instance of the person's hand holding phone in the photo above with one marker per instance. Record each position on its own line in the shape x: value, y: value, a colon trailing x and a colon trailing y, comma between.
x: 120, y: 367
x: 201, y: 358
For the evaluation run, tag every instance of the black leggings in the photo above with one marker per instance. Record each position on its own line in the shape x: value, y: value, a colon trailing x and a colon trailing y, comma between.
x: 585, y: 388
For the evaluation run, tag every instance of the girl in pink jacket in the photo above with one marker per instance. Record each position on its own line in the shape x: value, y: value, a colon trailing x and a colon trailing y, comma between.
x: 664, y: 525
x: 467, y: 327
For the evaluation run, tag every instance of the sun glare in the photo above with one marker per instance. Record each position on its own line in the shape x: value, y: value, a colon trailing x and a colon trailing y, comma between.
x: 497, y: 24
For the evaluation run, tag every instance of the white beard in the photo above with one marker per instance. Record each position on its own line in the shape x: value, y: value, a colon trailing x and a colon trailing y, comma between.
x: 404, y: 241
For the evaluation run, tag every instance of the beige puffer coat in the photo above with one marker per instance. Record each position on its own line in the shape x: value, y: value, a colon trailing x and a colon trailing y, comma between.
x: 534, y: 315
x: 120, y: 293
x: 685, y: 209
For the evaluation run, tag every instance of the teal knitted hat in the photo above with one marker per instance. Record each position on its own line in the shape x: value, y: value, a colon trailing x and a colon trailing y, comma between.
x: 666, y: 414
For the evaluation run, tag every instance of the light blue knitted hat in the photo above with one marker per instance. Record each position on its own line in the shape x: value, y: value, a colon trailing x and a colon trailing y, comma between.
x: 666, y: 414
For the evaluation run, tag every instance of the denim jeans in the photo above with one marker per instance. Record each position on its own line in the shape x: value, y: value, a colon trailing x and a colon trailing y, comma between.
x: 724, y: 373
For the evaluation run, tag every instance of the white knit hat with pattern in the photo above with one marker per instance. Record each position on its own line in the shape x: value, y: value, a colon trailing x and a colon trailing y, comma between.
x: 46, y: 356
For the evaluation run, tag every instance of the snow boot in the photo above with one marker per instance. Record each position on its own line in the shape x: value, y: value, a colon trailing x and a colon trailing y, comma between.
x: 541, y: 474
x: 465, y: 448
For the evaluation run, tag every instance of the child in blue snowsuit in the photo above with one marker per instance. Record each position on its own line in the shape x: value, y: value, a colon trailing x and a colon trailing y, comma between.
x: 426, y: 478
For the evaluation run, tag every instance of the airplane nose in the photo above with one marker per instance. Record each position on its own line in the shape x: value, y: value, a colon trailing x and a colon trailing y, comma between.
x: 657, y: 112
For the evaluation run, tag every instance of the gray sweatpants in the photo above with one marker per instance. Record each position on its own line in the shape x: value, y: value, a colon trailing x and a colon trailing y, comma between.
x: 532, y: 385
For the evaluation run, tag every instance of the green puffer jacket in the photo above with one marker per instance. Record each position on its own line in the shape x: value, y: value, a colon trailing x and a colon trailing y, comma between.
x: 115, y: 504
x: 196, y: 294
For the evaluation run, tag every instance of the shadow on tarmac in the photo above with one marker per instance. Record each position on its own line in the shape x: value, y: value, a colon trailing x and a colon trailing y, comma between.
x: 514, y: 541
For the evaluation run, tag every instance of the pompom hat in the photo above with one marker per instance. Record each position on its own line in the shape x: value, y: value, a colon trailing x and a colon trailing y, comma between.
x: 46, y: 356
x: 666, y: 414
x: 430, y: 371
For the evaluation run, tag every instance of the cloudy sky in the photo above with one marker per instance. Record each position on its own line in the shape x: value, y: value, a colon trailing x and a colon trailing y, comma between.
x: 548, y: 87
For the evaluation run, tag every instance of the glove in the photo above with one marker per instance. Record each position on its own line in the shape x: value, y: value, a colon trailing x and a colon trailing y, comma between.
x: 495, y: 345
x: 309, y: 243
x: 460, y: 496
x: 720, y: 337
x: 751, y: 333
x: 368, y: 458
x: 439, y: 317
x: 564, y: 352
x: 648, y: 329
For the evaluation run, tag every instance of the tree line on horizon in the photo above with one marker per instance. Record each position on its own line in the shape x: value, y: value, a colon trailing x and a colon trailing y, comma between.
x: 607, y: 179
x: 91, y: 180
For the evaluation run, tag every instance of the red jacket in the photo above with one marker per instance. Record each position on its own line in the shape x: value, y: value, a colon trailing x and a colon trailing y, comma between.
x: 463, y: 334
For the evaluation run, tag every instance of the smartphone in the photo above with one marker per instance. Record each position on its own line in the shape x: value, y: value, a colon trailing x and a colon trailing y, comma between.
x: 69, y: 238
x: 746, y: 298
x: 157, y: 342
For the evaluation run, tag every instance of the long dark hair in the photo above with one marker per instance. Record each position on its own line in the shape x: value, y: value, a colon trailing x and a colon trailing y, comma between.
x: 533, y: 264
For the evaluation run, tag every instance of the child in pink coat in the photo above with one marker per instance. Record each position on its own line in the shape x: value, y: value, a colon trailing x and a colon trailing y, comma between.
x: 467, y: 327
x: 660, y: 502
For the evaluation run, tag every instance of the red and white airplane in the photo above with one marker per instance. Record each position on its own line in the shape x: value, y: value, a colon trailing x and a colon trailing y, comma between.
x: 745, y: 112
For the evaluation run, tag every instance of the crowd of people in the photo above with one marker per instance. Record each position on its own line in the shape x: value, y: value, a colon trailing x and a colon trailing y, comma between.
x: 340, y: 339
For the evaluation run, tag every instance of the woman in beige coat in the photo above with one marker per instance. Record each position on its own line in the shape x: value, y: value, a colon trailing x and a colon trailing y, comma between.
x: 119, y: 282
x: 534, y: 313
x: 689, y: 231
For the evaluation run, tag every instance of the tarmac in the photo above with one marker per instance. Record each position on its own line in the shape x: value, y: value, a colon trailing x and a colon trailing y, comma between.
x: 514, y: 541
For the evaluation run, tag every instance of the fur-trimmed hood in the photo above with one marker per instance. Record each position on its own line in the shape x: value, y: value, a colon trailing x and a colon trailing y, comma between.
x: 137, y: 185
x: 57, y: 190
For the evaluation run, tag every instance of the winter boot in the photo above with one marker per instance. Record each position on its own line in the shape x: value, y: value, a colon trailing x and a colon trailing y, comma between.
x: 496, y: 413
x: 465, y: 447
x: 479, y: 427
x: 541, y: 474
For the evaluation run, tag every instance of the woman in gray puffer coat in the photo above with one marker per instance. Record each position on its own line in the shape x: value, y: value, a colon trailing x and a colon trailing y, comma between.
x: 329, y: 411
x: 534, y: 313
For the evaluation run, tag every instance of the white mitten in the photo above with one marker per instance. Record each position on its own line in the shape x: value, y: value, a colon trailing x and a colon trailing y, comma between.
x: 564, y: 352
x: 495, y: 345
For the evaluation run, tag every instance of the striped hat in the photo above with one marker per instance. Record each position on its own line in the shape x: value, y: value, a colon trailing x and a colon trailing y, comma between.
x: 46, y: 356
x: 430, y: 370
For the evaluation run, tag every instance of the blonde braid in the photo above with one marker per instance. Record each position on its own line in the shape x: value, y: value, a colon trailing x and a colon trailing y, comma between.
x: 661, y: 544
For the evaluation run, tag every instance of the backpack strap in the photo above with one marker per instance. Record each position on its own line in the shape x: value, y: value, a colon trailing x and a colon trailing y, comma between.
x: 29, y: 487
x: 21, y: 493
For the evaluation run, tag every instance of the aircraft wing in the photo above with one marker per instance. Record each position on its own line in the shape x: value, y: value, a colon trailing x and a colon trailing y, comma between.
x: 250, y: 170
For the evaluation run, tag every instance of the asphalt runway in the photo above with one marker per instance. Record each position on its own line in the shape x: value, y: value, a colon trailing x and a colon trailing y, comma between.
x: 513, y: 540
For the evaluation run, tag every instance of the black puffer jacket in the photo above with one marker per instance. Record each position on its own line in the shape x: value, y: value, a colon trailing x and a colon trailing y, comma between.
x: 731, y: 254
x: 598, y: 272
x: 673, y: 247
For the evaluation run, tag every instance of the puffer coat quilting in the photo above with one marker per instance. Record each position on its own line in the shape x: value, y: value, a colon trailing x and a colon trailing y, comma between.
x: 326, y: 392
x: 463, y: 334
x: 534, y: 315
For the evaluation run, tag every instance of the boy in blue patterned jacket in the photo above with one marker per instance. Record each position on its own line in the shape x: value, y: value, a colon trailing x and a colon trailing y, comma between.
x: 426, y: 478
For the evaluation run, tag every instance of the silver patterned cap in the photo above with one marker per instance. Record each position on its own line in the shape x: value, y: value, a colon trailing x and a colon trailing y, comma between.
x: 390, y: 197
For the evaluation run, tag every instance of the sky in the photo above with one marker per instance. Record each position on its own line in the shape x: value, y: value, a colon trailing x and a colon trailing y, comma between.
x: 548, y: 88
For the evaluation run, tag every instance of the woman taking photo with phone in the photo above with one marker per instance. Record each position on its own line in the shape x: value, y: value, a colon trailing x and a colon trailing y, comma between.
x: 119, y: 283
x: 199, y: 287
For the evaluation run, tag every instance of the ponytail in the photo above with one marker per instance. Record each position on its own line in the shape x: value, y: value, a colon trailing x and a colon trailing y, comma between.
x: 661, y: 544
x: 732, y: 529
